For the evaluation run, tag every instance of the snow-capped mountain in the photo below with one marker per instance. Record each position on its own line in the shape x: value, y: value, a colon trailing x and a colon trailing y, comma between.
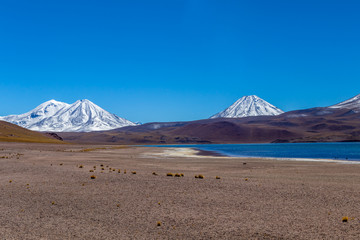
x: 249, y: 106
x: 81, y: 116
x: 352, y: 103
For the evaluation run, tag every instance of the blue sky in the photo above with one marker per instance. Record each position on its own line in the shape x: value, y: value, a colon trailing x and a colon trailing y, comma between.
x: 178, y: 60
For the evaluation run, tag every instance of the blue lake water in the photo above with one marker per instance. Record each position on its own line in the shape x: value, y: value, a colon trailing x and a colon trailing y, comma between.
x: 339, y: 151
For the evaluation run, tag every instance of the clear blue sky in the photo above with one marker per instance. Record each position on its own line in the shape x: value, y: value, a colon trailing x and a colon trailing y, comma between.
x: 177, y: 60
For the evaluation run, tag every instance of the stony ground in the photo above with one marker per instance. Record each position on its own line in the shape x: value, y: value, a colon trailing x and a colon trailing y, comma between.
x: 45, y: 194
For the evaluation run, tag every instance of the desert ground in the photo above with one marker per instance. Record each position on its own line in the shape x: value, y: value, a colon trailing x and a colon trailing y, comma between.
x: 47, y: 193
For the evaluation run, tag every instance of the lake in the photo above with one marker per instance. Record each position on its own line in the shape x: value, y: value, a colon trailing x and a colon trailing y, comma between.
x: 338, y: 151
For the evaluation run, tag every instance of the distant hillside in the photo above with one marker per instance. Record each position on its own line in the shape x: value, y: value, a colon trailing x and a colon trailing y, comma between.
x: 12, y: 133
x: 309, y: 125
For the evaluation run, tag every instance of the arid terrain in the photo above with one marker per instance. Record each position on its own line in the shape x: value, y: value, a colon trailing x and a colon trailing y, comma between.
x: 47, y: 193
x: 13, y: 133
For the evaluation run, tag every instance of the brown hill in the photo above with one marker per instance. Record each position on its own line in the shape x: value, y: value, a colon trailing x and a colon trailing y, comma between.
x: 12, y: 133
x: 309, y: 125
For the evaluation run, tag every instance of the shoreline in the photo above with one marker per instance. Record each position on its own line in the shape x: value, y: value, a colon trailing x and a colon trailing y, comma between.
x: 199, y: 153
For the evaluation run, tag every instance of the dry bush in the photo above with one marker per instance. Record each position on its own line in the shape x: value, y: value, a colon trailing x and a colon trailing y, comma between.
x: 217, y: 177
x: 169, y: 174
x: 92, y: 176
x: 133, y: 172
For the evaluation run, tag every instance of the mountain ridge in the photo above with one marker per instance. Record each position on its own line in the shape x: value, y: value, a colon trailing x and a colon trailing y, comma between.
x: 55, y: 116
x: 352, y: 103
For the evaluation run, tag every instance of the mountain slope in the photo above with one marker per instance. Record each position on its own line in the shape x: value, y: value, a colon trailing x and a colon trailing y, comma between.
x: 248, y: 106
x: 352, y: 103
x: 81, y: 116
x: 308, y: 125
x: 12, y: 133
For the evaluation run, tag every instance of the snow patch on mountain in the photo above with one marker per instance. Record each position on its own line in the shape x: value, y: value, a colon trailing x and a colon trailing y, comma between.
x: 249, y: 106
x: 81, y: 116
x: 352, y: 103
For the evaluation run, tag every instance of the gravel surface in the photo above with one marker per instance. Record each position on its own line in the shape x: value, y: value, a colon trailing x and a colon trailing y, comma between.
x: 45, y: 194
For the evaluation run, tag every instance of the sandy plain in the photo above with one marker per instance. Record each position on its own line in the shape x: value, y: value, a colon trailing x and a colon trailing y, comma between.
x: 46, y: 195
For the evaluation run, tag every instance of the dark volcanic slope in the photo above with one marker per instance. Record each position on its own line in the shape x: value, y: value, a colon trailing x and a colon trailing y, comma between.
x: 309, y: 125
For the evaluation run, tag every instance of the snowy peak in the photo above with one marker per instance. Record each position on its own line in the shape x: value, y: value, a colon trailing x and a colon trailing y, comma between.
x: 352, y: 103
x: 44, y: 110
x: 81, y: 116
x: 249, y: 106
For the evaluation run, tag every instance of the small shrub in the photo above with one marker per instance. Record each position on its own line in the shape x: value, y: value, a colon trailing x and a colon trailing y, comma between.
x: 114, y: 170
x: 94, y: 167
x: 133, y: 172
x: 102, y: 168
x: 52, y: 203
x: 154, y: 173
x: 117, y: 205
x: 91, y: 170
x: 196, y: 176
x: 246, y: 179
x: 101, y: 165
x: 181, y: 174
x: 61, y: 164
x: 217, y: 177
x: 10, y: 181
x: 125, y: 171
x: 345, y: 219
x: 158, y: 223
x: 177, y: 175
x: 119, y: 170
x: 81, y: 166
x: 201, y: 176
x: 92, y: 176
x: 169, y: 174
